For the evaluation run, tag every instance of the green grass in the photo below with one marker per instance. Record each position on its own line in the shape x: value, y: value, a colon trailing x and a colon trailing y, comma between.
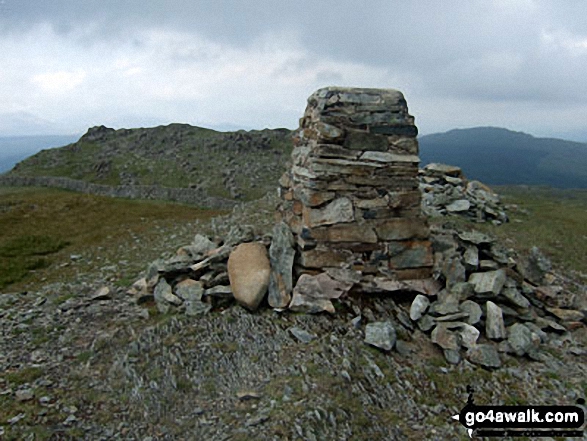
x: 41, y: 228
x: 172, y: 156
x: 556, y: 222
x: 553, y: 220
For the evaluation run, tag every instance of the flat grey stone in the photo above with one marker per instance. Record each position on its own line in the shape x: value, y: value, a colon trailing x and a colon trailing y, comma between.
x: 488, y: 283
x: 515, y: 297
x: 381, y: 335
x: 458, y: 206
x: 419, y: 307
x: 469, y: 335
x: 484, y: 355
x: 302, y: 335
x: 520, y: 339
x: 445, y: 338
x: 475, y: 237
x: 494, y: 326
x: 452, y: 356
x: 281, y: 257
x: 473, y: 310
x: 426, y: 323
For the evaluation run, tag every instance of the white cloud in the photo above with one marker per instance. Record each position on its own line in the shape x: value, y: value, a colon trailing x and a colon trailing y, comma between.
x: 60, y: 82
x: 254, y: 63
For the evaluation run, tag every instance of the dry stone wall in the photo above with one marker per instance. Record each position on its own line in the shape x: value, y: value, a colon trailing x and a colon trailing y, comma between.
x: 153, y: 192
x: 351, y: 197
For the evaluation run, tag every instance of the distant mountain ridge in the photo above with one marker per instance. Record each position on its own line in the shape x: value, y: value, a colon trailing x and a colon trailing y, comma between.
x: 16, y: 148
x: 241, y: 165
x: 498, y: 156
x: 244, y: 165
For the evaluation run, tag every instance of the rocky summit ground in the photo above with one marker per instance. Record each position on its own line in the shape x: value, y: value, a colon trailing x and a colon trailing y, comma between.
x: 79, y: 359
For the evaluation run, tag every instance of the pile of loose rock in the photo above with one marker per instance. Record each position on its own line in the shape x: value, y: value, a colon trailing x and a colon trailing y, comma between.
x: 484, y: 299
x: 352, y: 226
x: 492, y: 301
x: 446, y: 191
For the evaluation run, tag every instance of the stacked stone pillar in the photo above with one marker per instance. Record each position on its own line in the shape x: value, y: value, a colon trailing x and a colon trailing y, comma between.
x: 351, y: 197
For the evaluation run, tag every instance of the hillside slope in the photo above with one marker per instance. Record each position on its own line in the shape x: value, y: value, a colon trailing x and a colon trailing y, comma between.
x: 499, y: 156
x: 238, y: 165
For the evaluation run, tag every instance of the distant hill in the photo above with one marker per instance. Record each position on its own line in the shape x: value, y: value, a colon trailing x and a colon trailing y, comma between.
x: 503, y: 157
x: 236, y: 165
x: 244, y: 165
x: 17, y: 148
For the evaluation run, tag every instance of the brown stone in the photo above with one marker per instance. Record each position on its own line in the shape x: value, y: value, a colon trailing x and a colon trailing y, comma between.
x: 413, y: 273
x: 248, y: 271
x: 410, y: 254
x: 334, y: 151
x: 338, y: 211
x: 323, y: 257
x: 401, y: 229
x: 313, y: 198
x: 365, y: 141
x: 297, y: 207
x: 345, y: 233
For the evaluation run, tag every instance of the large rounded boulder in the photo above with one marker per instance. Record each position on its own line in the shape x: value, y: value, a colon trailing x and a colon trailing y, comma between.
x: 249, y: 271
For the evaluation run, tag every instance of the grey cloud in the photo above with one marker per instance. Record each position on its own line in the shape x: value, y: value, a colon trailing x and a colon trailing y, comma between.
x: 478, y: 50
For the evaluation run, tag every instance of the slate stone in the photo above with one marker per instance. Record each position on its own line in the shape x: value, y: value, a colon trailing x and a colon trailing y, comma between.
x: 281, y: 258
x: 463, y: 290
x: 454, y: 271
x: 488, y: 265
x: 338, y: 211
x: 308, y: 296
x: 452, y: 356
x: 458, y: 206
x: 469, y: 335
x: 381, y: 335
x: 447, y: 303
x: 426, y: 323
x: 402, y: 229
x: 194, y: 308
x: 535, y: 266
x: 164, y: 296
x: 520, y: 339
x: 443, y: 169
x: 419, y: 307
x: 473, y: 310
x: 514, y: 296
x: 471, y: 258
x: 302, y: 335
x: 190, y: 289
x: 365, y: 141
x: 452, y: 317
x: 475, y: 237
x: 488, y: 283
x: 484, y: 355
x: 445, y: 338
x: 567, y: 315
x: 494, y: 325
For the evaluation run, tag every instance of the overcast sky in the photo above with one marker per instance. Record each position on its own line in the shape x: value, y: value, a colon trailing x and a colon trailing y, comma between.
x: 66, y: 65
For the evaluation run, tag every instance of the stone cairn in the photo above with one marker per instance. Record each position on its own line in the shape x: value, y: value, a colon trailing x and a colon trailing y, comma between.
x: 351, y: 197
x: 351, y: 220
